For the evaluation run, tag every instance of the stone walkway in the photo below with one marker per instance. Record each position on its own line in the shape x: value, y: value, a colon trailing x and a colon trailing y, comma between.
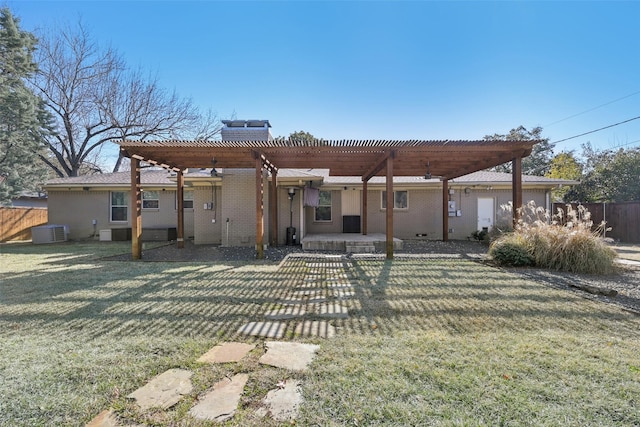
x: 322, y: 295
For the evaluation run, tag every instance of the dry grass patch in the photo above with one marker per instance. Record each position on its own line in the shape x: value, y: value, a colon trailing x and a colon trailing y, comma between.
x: 428, y: 342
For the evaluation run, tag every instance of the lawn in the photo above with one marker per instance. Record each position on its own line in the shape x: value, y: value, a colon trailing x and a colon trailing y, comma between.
x: 436, y: 341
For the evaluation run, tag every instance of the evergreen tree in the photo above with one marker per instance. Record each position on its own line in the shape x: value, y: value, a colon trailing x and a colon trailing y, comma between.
x: 22, y: 117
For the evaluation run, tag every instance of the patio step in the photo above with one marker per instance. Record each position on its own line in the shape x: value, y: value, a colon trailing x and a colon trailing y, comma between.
x: 360, y: 247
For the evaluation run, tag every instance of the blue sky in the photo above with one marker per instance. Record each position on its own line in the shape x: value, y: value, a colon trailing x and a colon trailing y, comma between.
x: 385, y: 69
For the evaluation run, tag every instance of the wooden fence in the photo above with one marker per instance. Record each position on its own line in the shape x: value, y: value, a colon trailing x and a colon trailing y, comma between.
x: 623, y: 218
x: 16, y: 223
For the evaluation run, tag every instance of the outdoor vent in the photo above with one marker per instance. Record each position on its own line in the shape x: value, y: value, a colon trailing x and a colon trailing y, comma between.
x: 49, y: 234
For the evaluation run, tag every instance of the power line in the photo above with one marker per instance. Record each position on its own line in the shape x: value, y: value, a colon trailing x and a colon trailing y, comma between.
x: 596, y: 130
x: 626, y: 143
x: 591, y: 109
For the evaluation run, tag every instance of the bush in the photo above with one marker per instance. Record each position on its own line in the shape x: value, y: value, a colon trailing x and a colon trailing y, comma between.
x: 508, y: 251
x: 560, y: 242
x: 481, y: 236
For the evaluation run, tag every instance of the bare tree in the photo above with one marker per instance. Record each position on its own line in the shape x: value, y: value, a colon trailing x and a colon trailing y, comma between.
x: 94, y: 98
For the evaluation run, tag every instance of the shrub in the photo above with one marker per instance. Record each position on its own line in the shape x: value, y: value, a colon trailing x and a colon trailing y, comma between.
x: 481, y: 236
x: 510, y: 252
x: 560, y: 242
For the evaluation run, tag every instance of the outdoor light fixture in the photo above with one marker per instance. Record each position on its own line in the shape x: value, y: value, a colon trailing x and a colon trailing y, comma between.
x: 214, y: 172
x: 428, y: 174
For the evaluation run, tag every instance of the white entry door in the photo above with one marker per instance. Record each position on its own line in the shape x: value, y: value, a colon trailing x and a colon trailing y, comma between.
x: 485, y: 213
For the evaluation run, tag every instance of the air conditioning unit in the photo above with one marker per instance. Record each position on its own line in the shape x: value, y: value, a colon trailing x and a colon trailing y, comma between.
x: 49, y: 234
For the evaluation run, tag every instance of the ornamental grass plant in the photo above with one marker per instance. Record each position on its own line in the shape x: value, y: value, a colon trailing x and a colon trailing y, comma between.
x: 566, y: 241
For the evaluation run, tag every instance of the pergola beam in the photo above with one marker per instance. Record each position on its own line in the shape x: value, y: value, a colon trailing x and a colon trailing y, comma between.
x: 259, y: 209
x: 445, y: 210
x: 448, y: 159
x: 376, y: 167
x: 390, y: 205
x: 136, y: 210
x: 516, y: 188
x: 180, y: 197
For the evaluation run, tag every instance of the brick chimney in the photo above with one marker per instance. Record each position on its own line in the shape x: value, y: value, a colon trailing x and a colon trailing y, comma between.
x: 246, y: 130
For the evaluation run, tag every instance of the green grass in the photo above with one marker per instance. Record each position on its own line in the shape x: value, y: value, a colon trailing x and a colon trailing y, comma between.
x: 428, y: 342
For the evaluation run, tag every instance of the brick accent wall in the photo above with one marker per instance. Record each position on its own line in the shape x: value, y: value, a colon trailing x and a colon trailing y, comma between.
x: 206, y: 231
x: 239, y: 206
x: 245, y: 134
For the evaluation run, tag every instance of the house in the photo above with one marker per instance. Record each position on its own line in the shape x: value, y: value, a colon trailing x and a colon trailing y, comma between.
x: 222, y: 195
x: 30, y: 199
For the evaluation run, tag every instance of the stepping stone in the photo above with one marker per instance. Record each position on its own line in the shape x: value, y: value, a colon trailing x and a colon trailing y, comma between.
x: 289, y: 355
x: 332, y: 311
x: 221, y: 403
x: 165, y: 390
x: 105, y: 418
x: 282, y: 403
x: 264, y: 329
x: 315, y: 328
x: 288, y: 312
x: 226, y: 353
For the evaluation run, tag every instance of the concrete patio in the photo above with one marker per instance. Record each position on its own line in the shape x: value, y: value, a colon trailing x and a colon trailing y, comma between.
x: 348, y: 242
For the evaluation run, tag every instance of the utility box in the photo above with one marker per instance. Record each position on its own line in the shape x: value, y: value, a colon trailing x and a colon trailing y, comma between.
x: 49, y: 233
x: 105, y: 235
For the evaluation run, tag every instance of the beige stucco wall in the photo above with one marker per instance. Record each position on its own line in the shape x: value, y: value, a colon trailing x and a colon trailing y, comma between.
x: 77, y: 209
x: 238, y: 205
x: 424, y: 213
x: 333, y: 226
x: 208, y: 223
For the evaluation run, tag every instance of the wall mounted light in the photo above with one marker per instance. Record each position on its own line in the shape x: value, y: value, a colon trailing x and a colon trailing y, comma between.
x: 428, y: 174
x: 214, y: 172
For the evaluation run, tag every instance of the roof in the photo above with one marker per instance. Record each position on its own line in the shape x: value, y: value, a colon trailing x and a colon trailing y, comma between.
x: 147, y: 176
x: 444, y: 158
x: 162, y: 177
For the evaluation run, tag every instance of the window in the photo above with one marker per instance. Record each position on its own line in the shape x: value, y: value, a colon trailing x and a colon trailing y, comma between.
x: 323, y: 211
x: 150, y: 200
x: 187, y: 200
x: 400, y: 200
x: 119, y: 206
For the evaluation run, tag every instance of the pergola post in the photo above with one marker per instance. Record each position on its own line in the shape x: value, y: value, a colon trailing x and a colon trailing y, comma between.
x: 136, y: 210
x: 445, y: 210
x: 390, y: 205
x: 516, y: 188
x: 180, y: 195
x: 273, y: 208
x: 364, y: 207
x: 259, y: 210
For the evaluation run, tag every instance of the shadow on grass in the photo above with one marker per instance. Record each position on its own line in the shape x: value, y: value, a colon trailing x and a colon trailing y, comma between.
x: 91, y: 298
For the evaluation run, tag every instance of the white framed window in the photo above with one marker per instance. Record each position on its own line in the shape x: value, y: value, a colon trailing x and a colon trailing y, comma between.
x: 323, y: 210
x: 119, y: 206
x: 187, y: 200
x: 150, y: 200
x: 400, y: 200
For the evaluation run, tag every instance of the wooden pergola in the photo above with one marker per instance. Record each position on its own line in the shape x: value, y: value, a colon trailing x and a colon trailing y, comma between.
x: 366, y: 159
